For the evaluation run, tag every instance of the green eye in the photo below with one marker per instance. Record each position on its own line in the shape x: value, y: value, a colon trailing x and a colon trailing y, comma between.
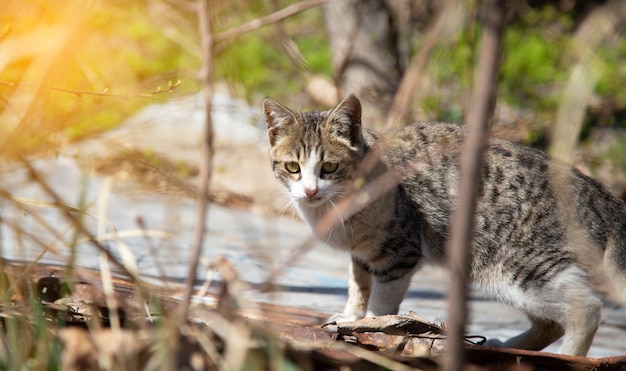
x: 292, y: 167
x: 329, y: 167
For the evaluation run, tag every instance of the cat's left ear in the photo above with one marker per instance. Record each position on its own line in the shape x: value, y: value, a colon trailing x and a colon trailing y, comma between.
x: 276, y: 115
x: 347, y: 115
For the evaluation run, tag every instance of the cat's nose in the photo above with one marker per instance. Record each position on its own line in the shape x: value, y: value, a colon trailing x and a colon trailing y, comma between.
x: 310, y: 192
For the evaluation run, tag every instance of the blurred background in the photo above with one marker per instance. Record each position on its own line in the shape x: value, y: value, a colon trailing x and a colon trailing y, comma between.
x: 101, y: 111
x: 74, y: 69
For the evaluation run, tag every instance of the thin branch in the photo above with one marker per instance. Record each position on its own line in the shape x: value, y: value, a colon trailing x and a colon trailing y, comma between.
x: 171, y: 86
x: 289, y: 46
x: 255, y: 24
x: 206, y: 79
x: 481, y: 104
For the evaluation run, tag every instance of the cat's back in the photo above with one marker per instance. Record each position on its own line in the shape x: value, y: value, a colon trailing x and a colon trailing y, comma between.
x: 415, y: 142
x: 522, y: 192
x: 433, y: 142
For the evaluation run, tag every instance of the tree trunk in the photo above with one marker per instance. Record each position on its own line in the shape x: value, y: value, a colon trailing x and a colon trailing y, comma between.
x: 364, y: 54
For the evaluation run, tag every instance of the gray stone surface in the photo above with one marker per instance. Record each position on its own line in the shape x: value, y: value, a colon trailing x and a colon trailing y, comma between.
x: 157, y: 228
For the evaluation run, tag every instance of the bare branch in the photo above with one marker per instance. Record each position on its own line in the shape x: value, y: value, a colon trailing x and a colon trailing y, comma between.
x: 206, y: 79
x: 482, y: 104
x: 171, y: 86
x: 255, y: 24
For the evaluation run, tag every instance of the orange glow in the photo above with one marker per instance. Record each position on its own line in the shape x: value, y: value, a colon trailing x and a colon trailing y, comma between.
x: 67, y: 68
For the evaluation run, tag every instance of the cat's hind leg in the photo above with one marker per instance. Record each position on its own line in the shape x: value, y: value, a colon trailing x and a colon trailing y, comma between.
x: 563, y: 304
x: 541, y: 334
x: 580, y: 323
x: 569, y: 300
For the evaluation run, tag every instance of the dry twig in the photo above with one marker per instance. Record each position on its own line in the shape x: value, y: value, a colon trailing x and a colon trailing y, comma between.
x: 206, y: 79
x: 255, y: 24
x: 482, y: 102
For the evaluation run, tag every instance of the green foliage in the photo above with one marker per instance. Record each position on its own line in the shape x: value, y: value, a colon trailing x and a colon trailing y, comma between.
x: 127, y: 50
x: 124, y: 51
x: 530, y: 66
x: 105, y: 72
x: 253, y: 63
x: 444, y: 111
x: 613, y: 73
x: 257, y: 62
x: 537, y: 61
x: 617, y: 154
x: 452, y: 63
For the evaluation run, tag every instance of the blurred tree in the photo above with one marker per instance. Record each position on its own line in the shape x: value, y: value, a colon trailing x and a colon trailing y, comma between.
x: 372, y: 42
x: 365, y: 53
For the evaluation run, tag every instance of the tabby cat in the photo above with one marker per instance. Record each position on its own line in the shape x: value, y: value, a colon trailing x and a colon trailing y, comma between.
x: 542, y: 229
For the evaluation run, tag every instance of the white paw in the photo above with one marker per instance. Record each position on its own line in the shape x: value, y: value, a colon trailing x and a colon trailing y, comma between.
x: 343, y: 317
x: 338, y: 320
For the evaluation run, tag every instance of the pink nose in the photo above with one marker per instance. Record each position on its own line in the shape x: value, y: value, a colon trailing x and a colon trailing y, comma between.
x: 310, y: 192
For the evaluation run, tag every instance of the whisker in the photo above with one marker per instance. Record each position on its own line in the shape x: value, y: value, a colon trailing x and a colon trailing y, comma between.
x: 294, y: 209
x: 286, y: 201
x: 342, y: 218
x: 285, y: 207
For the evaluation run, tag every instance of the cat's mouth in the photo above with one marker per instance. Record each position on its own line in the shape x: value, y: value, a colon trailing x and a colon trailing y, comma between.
x: 313, y: 201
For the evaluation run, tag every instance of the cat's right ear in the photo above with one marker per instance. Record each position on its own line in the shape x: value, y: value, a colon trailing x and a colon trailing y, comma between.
x: 346, y: 118
x: 275, y: 115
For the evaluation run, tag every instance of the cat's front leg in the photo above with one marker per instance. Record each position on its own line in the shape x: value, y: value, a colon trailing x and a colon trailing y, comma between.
x: 359, y: 287
x: 386, y: 297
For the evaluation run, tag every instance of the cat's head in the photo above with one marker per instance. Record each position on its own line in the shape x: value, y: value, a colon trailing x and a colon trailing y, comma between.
x: 315, y: 154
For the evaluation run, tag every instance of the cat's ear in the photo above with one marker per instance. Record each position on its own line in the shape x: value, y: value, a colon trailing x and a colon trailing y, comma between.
x: 276, y: 115
x: 348, y: 111
x: 346, y: 117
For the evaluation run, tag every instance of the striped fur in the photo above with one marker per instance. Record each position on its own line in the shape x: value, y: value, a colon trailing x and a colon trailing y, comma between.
x: 542, y: 231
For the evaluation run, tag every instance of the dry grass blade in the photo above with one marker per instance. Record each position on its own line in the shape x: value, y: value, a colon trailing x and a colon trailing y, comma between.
x: 130, y: 264
x: 80, y: 227
x: 21, y: 204
x: 372, y: 357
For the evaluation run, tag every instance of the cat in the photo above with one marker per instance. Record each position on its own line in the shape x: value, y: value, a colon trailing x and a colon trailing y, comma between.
x: 542, y: 229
